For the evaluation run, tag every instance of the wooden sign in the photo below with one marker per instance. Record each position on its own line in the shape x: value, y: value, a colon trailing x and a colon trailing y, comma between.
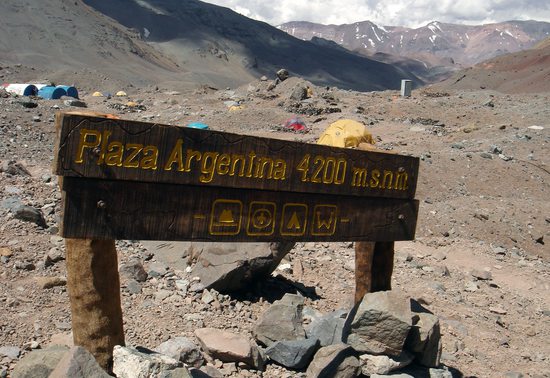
x: 102, y: 148
x: 106, y: 209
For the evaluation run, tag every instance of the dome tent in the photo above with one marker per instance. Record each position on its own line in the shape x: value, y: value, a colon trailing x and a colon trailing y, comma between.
x: 50, y: 92
x: 22, y: 89
x: 69, y: 90
x: 346, y: 133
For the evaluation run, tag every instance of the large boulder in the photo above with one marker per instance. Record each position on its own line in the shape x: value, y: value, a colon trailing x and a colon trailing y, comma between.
x: 78, y: 363
x: 380, y: 323
x: 334, y: 361
x: 40, y: 362
x: 281, y: 321
x: 231, y: 266
x: 328, y: 328
x: 229, y: 347
x: 371, y: 364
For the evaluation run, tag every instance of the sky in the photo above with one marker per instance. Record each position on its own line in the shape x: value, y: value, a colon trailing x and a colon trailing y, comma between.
x: 410, y: 13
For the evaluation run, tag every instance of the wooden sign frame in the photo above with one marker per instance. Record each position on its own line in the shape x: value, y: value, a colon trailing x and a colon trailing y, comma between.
x: 124, y: 179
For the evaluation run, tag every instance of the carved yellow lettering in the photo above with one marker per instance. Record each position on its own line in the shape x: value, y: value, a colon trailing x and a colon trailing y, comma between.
x: 104, y: 143
x: 84, y: 142
x: 190, y: 155
x: 279, y: 170
x: 384, y: 180
x: 401, y: 181
x: 208, y: 166
x: 131, y: 161
x: 375, y: 178
x: 150, y: 158
x: 222, y: 166
x: 264, y: 162
x: 251, y: 155
x: 237, y: 159
x: 359, y: 177
x: 176, y: 156
x: 114, y: 154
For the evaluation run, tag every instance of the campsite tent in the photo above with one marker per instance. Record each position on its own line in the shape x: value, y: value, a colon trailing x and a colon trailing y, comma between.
x: 346, y: 133
x: 51, y: 93
x: 22, y: 89
x: 69, y: 91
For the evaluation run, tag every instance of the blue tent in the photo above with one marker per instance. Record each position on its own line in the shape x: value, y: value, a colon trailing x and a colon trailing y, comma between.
x: 51, y: 92
x: 70, y: 91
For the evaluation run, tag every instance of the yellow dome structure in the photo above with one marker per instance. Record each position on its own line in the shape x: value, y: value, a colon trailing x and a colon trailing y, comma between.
x: 121, y: 94
x: 97, y: 94
x: 346, y: 133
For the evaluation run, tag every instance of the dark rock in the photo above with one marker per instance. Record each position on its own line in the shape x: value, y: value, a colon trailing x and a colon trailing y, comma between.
x: 380, y: 323
x: 133, y: 287
x: 27, y: 104
x: 14, y: 168
x: 281, y: 321
x: 334, y: 361
x: 133, y: 270
x: 424, y: 340
x: 75, y: 103
x: 78, y: 363
x: 282, y: 74
x: 328, y: 328
x: 227, y: 267
x: 30, y: 214
x: 293, y: 354
x: 299, y: 93
x: 39, y: 363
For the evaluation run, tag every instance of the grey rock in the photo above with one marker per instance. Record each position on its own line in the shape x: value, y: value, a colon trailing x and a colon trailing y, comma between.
x: 207, y: 297
x: 513, y: 374
x: 229, y: 347
x: 486, y: 155
x: 440, y: 373
x: 471, y: 287
x: 380, y: 323
x: 281, y: 321
x: 231, y: 266
x: 12, y: 352
x: 54, y: 255
x: 78, y: 363
x: 424, y: 340
x: 157, y: 269
x: 75, y: 103
x: 133, y: 287
x: 30, y: 214
x: 482, y: 274
x: 27, y: 104
x: 293, y: 354
x: 10, y: 203
x: 133, y: 270
x: 328, y: 328
x: 299, y: 93
x: 371, y: 364
x: 334, y: 361
x: 141, y: 362
x: 282, y: 74
x: 182, y: 349
x: 39, y: 363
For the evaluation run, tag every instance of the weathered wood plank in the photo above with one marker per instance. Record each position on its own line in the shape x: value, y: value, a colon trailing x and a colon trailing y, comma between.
x: 104, y: 148
x: 105, y: 209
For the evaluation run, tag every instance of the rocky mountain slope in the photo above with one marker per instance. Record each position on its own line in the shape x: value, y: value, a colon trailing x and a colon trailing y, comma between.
x: 463, y: 44
x: 526, y: 71
x: 170, y: 43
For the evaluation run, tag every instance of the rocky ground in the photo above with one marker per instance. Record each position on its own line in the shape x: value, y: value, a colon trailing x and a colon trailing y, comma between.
x: 480, y: 261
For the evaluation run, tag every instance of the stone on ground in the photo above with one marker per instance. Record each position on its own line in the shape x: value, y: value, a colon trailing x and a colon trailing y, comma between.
x: 281, y: 321
x: 327, y: 328
x: 182, y: 349
x: 141, y: 362
x: 229, y: 347
x: 39, y: 363
x: 334, y: 361
x: 293, y: 354
x: 380, y: 324
x: 424, y: 340
x: 78, y: 363
x: 381, y: 364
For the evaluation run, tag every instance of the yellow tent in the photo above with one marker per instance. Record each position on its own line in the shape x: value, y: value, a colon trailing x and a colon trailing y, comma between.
x: 121, y: 94
x: 236, y: 107
x: 346, y: 133
x: 97, y: 94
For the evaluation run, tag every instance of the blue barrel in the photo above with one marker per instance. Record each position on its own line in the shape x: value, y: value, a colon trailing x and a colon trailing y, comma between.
x: 71, y: 91
x: 51, y: 92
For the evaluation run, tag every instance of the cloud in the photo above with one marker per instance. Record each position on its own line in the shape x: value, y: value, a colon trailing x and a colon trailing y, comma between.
x: 411, y: 13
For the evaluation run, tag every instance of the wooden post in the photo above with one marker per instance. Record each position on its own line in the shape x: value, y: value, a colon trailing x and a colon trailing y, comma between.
x: 373, y: 267
x: 94, y: 291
